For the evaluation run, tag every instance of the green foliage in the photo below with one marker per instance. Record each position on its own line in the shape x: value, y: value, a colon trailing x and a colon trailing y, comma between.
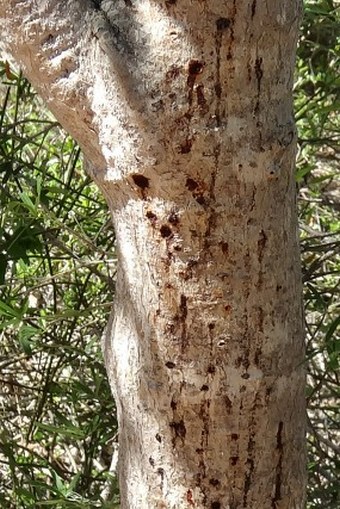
x: 317, y: 110
x: 57, y: 265
x: 57, y: 262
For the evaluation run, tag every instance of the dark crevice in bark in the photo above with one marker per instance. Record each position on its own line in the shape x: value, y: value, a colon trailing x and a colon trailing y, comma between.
x: 253, y: 9
x: 140, y: 181
x: 216, y: 505
x: 194, y: 69
x: 191, y: 184
x: 278, y: 477
x: 179, y: 431
x: 249, y: 474
x: 214, y: 482
x: 224, y: 247
x: 150, y: 215
x: 259, y: 74
x: 201, y: 100
x: 165, y: 231
x: 190, y: 499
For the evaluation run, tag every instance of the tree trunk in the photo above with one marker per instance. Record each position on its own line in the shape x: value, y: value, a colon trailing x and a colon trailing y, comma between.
x: 184, y: 110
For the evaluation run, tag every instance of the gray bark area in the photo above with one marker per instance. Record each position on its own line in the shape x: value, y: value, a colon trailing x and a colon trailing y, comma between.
x: 184, y: 111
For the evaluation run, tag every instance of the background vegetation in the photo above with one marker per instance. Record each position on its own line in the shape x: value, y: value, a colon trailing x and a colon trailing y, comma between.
x: 57, y: 266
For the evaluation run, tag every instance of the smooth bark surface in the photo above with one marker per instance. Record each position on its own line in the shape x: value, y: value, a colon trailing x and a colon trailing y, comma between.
x: 184, y: 110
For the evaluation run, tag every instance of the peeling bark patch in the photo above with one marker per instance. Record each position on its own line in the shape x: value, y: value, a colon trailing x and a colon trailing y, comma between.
x: 165, y: 231
x: 158, y: 437
x: 278, y: 477
x: 141, y: 181
x: 170, y: 365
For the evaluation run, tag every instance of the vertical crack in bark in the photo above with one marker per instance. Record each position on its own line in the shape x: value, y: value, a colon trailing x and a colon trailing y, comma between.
x: 201, y: 475
x: 211, y: 220
x: 259, y: 74
x: 278, y: 477
x: 250, y: 463
x: 244, y: 347
x: 222, y: 25
x: 182, y: 317
x: 261, y: 245
x: 253, y: 8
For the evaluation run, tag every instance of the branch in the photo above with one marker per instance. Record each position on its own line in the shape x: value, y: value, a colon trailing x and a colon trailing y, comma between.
x: 53, y: 43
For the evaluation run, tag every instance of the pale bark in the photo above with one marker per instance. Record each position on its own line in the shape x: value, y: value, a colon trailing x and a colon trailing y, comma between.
x: 185, y: 111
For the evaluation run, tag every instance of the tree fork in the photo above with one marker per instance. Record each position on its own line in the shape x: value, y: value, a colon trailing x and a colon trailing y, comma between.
x: 185, y: 113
